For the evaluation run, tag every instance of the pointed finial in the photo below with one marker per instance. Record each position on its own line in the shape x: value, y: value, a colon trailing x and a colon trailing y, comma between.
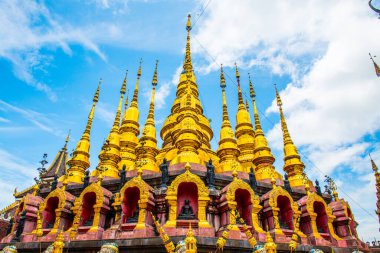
x: 279, y: 102
x: 237, y: 73
x: 246, y: 104
x: 67, y: 140
x: 155, y: 79
x: 234, y: 174
x: 139, y: 172
x: 252, y: 93
x: 188, y: 24
x: 374, y: 166
x: 96, y: 96
x: 139, y: 71
x: 126, y: 101
x: 187, y: 166
x: 100, y: 179
x: 124, y: 86
x: 306, y: 184
x: 222, y: 80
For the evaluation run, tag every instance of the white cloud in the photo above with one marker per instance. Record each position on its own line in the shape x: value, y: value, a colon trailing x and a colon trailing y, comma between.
x: 26, y: 28
x: 4, y: 120
x: 37, y: 119
x: 331, y: 103
x: 105, y: 113
x: 162, y: 93
x: 14, y: 171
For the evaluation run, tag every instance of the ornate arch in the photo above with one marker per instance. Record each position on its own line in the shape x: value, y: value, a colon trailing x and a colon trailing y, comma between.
x: 203, y: 197
x: 311, y: 199
x: 188, y: 177
x: 61, y: 195
x: 77, y: 208
x: 255, y: 200
x: 145, y: 195
x: 140, y: 184
x: 273, y: 196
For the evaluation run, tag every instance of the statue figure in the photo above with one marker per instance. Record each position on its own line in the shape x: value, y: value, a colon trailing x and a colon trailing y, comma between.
x: 122, y: 175
x: 318, y: 188
x: 187, y: 212
x: 109, y: 248
x: 86, y: 180
x: 210, y: 176
x: 49, y: 249
x: 89, y: 221
x: 20, y: 227
x: 252, y: 179
x: 135, y: 217
x: 287, y: 184
x: 54, y: 183
x: 9, y: 229
x: 164, y: 167
x: 9, y: 249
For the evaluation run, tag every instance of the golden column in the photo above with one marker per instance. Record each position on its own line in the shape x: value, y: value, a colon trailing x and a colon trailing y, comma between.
x: 228, y: 151
x: 130, y: 129
x: 292, y: 160
x: 377, y: 175
x: 245, y: 135
x: 80, y: 160
x: 263, y: 158
x: 110, y: 154
x: 147, y: 149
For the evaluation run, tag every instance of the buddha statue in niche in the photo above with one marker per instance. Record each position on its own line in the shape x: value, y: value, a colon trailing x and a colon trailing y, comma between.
x: 187, y: 212
x: 135, y: 217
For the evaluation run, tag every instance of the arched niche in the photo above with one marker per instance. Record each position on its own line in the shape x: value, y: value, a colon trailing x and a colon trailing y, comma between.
x: 187, y: 191
x: 136, y: 194
x: 172, y: 196
x: 237, y: 193
x: 315, y: 214
x: 55, y: 211
x: 130, y: 203
x: 281, y: 212
x: 90, y: 211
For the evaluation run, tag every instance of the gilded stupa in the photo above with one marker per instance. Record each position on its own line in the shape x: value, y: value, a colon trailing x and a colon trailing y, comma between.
x: 141, y: 197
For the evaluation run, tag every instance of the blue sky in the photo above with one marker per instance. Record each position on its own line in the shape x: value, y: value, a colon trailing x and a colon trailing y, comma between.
x: 52, y: 54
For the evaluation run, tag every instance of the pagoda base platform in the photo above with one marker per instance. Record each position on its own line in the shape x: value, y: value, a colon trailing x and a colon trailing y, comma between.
x: 154, y: 244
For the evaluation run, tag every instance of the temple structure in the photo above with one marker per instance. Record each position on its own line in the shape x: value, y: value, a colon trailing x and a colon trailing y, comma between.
x: 232, y: 198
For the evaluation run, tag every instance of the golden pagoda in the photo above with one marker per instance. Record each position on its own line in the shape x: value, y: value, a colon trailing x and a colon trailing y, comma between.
x: 228, y: 151
x: 263, y: 159
x: 147, y: 149
x: 110, y: 154
x: 130, y: 129
x: 139, y: 192
x: 186, y: 132
x: 80, y: 160
x: 292, y: 160
x: 245, y: 135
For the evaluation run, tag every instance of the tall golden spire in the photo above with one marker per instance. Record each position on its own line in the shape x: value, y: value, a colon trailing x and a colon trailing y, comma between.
x: 187, y: 64
x: 377, y: 176
x: 245, y: 135
x: 130, y: 129
x: 147, y: 148
x: 109, y: 156
x: 263, y: 158
x: 186, y: 132
x: 228, y: 151
x: 80, y: 162
x: 292, y: 160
